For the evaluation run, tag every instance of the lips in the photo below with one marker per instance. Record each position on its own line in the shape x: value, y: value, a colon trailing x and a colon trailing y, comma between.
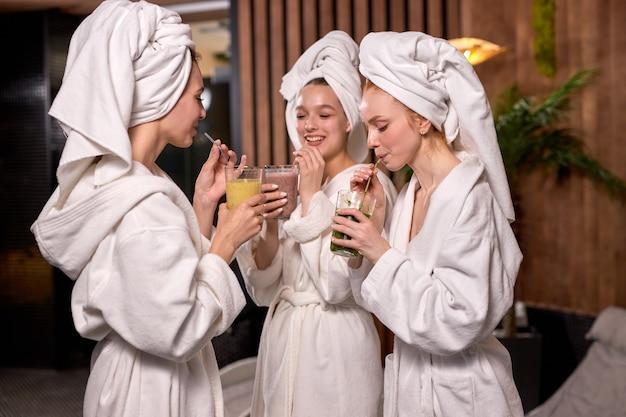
x: 314, y: 140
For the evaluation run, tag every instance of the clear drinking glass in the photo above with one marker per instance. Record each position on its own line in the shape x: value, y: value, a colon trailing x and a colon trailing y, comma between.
x: 241, y: 184
x: 363, y: 202
x: 286, y: 177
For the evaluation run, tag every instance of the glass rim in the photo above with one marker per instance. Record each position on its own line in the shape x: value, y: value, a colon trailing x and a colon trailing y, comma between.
x: 244, y: 168
x: 281, y: 167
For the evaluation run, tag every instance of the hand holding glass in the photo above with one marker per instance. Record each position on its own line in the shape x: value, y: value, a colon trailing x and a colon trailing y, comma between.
x: 286, y: 177
x: 241, y: 184
x: 361, y: 201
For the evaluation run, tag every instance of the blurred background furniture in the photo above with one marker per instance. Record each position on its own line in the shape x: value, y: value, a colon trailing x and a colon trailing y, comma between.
x: 597, y: 388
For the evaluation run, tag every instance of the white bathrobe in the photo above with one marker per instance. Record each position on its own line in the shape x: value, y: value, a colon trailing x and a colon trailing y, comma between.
x: 147, y: 290
x: 442, y: 294
x: 320, y: 352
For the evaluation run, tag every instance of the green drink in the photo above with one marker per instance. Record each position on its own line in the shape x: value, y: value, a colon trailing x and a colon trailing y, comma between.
x: 351, y: 199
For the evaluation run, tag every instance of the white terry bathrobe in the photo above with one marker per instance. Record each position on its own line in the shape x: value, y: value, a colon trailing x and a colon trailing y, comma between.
x: 319, y: 353
x: 146, y: 287
x: 443, y: 292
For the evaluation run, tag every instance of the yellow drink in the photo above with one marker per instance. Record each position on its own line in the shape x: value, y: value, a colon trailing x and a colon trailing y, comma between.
x: 239, y: 190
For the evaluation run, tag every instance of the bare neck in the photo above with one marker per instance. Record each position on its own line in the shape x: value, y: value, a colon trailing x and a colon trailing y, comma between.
x: 432, y: 162
x: 145, y: 144
x: 337, y: 164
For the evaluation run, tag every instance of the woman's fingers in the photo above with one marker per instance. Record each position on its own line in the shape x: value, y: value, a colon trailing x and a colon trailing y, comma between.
x: 266, y: 188
x: 263, y: 209
x: 302, y: 164
x: 316, y: 155
x: 255, y: 200
x: 273, y: 214
x: 351, y: 243
x: 345, y: 221
x: 360, y: 217
x: 275, y: 195
x: 345, y: 229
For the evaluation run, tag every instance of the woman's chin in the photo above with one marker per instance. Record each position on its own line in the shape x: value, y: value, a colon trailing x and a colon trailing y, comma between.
x: 392, y: 166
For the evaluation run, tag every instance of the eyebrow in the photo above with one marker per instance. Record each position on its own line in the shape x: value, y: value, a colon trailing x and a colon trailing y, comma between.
x: 323, y: 106
x: 374, y: 119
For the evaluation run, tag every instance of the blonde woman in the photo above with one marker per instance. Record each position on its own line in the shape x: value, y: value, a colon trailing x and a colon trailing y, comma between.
x: 319, y: 353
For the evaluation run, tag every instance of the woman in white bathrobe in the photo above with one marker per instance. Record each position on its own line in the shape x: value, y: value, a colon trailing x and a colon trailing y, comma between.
x: 319, y: 353
x: 150, y: 287
x: 445, y: 277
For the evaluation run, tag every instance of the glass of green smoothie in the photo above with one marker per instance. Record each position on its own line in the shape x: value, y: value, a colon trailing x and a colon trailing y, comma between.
x: 361, y: 201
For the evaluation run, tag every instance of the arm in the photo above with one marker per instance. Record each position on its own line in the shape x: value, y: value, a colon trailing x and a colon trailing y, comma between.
x: 261, y: 284
x: 163, y: 298
x: 461, y: 300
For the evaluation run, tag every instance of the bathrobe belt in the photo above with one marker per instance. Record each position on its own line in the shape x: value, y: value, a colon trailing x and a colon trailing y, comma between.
x: 296, y: 299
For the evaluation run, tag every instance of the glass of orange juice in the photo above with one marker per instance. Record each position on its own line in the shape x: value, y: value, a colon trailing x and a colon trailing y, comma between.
x: 241, y: 184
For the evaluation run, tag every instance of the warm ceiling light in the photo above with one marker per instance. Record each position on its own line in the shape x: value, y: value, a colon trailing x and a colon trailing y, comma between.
x: 476, y: 50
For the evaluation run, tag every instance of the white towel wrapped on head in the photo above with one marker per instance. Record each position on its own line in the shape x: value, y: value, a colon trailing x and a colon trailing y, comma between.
x: 432, y: 78
x: 128, y: 63
x: 335, y: 58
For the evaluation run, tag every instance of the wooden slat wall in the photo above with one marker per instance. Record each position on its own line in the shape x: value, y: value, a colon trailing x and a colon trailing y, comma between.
x: 273, y: 33
x: 573, y: 235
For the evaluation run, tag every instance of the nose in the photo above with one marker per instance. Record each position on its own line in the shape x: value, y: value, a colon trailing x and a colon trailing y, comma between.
x: 372, y: 139
x: 309, y: 125
x: 202, y: 113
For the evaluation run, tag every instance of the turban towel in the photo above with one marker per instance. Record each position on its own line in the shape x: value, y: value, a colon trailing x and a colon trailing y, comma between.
x: 335, y: 58
x: 128, y: 63
x: 432, y: 78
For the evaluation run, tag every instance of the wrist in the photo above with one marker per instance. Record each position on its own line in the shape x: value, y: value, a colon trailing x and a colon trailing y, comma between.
x: 203, y: 202
x: 271, y: 226
x: 379, y: 251
x: 222, y: 248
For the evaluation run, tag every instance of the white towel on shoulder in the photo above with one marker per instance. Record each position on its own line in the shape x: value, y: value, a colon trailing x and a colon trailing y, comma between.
x: 128, y: 63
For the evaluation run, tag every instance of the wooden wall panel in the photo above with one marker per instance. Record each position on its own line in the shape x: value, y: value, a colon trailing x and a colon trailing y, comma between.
x: 246, y: 80
x: 293, y: 32
x: 379, y: 15
x: 435, y: 17
x: 309, y: 22
x: 261, y: 86
x: 344, y: 15
x: 397, y: 15
x: 361, y: 11
x: 572, y: 234
x: 416, y: 16
x: 327, y: 16
x: 278, y: 137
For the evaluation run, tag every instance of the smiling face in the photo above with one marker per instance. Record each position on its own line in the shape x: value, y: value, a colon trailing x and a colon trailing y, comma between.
x: 320, y: 120
x: 180, y: 125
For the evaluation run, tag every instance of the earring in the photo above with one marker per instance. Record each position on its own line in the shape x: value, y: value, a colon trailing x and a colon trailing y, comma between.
x: 422, y: 132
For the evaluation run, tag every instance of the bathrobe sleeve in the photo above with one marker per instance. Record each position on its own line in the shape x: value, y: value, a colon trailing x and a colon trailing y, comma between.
x: 329, y: 272
x: 461, y: 300
x: 162, y: 296
x: 262, y: 284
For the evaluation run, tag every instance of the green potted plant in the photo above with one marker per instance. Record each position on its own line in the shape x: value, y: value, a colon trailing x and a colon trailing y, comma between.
x: 531, y: 138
